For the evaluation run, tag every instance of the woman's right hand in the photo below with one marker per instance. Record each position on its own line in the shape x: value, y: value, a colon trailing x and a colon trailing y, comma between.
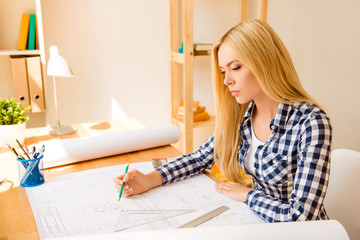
x: 137, y: 182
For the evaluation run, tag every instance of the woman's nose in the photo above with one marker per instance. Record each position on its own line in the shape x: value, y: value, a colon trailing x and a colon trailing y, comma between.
x: 228, y: 80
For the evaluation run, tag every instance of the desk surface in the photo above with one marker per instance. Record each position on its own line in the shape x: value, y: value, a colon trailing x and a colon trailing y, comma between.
x: 17, y: 221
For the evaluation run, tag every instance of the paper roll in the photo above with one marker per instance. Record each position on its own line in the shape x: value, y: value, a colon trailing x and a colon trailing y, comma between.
x: 65, y: 151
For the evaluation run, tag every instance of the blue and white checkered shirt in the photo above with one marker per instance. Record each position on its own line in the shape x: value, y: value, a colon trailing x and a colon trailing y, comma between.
x: 291, y: 167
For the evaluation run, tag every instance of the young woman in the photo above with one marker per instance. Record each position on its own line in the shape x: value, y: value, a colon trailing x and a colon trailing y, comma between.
x: 266, y: 125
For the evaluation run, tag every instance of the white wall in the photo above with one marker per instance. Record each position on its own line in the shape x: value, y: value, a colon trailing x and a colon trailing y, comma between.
x: 119, y: 53
x: 323, y: 37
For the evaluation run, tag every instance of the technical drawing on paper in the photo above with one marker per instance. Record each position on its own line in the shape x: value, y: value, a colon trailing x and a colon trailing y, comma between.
x: 87, y: 203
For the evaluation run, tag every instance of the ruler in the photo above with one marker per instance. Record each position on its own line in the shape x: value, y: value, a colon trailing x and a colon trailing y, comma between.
x: 205, y: 217
x: 152, y: 215
x: 156, y: 211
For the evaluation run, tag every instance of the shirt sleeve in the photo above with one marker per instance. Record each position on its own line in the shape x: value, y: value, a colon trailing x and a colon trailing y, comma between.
x: 188, y: 165
x: 310, y: 181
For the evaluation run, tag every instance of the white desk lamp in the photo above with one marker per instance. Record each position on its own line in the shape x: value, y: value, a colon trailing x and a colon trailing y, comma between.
x: 58, y: 67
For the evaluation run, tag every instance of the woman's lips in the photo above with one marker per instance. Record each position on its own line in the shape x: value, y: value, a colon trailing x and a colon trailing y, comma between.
x: 234, y: 93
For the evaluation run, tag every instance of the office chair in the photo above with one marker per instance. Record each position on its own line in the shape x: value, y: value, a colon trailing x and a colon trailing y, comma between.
x: 342, y: 200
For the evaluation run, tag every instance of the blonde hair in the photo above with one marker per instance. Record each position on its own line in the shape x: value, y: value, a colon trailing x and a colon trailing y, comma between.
x: 255, y: 44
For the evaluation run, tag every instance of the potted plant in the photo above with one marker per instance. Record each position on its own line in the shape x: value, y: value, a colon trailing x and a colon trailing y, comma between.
x: 12, y: 120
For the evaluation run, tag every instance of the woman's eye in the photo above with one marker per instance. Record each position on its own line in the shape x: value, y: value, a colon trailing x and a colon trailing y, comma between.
x: 236, y: 68
x: 222, y: 72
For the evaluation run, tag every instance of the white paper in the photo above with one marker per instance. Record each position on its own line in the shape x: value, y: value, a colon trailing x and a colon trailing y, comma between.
x: 65, y: 151
x: 319, y: 230
x: 87, y: 203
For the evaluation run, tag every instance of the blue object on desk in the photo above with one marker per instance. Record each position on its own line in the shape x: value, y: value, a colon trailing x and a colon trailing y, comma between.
x: 3, y: 181
x: 31, y: 174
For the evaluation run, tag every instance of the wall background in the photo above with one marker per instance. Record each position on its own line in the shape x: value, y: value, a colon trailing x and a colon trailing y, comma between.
x: 119, y: 53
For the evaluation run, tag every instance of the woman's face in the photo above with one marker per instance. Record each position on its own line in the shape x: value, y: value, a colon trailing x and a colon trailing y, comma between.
x: 240, y: 80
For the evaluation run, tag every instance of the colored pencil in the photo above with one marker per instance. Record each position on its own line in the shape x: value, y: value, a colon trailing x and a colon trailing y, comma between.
x: 122, y: 185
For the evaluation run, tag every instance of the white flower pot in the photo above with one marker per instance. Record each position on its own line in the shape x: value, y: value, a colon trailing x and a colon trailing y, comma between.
x: 9, y: 133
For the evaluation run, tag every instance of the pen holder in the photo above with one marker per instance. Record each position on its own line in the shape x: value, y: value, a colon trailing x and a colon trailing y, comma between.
x: 31, y: 172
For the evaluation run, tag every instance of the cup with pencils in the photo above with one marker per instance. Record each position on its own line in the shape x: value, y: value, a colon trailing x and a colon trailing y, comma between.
x: 31, y: 169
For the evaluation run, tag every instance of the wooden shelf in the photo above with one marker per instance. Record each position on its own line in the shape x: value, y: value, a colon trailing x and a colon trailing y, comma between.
x: 207, y: 123
x: 177, y: 57
x: 181, y: 33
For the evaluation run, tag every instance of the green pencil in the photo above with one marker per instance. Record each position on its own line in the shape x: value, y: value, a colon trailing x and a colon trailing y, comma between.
x: 122, y: 186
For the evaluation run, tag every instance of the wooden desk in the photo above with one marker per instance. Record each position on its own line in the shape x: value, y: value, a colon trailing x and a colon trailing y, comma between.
x: 16, y: 218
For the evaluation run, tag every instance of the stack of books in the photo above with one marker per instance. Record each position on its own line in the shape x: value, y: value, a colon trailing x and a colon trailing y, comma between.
x: 27, y: 35
x: 199, y: 48
x: 202, y: 49
x: 199, y: 112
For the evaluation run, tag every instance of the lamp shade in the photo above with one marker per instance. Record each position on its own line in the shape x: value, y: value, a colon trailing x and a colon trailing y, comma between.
x: 57, y: 65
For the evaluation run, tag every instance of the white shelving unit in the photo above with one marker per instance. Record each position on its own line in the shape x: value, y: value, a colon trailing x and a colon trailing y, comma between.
x: 10, y: 27
x: 15, y: 52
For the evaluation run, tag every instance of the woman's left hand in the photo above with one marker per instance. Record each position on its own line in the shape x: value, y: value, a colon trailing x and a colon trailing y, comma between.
x: 233, y: 190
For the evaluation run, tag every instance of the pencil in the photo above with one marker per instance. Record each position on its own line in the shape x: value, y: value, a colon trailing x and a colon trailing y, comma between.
x: 26, y: 148
x: 25, y: 164
x: 13, y: 150
x: 122, y: 185
x: 22, y: 148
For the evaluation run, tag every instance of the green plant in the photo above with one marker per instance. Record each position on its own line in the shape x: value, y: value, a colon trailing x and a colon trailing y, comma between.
x: 12, y: 112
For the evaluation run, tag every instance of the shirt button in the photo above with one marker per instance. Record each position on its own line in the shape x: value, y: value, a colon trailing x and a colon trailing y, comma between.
x: 273, y: 127
x: 298, y: 212
x: 274, y: 161
x: 285, y: 158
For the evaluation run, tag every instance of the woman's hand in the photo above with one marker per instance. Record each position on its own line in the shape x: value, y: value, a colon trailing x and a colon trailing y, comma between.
x: 137, y: 182
x: 233, y: 190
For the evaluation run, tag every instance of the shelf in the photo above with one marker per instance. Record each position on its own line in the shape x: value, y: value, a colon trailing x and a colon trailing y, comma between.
x: 207, y: 123
x: 201, y: 55
x: 179, y: 57
x: 12, y: 52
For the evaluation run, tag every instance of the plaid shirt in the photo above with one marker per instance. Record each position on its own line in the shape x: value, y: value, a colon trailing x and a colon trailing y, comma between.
x: 291, y: 167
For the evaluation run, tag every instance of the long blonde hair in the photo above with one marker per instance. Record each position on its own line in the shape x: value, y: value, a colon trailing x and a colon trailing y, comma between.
x: 256, y: 45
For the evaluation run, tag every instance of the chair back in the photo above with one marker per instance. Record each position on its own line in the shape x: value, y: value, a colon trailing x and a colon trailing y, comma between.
x: 342, y: 200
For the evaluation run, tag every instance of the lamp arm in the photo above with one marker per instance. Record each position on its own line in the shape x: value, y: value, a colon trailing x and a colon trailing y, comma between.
x: 55, y: 101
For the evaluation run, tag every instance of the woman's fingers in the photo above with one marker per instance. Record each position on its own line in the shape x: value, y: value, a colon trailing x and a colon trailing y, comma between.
x: 224, y: 186
x: 129, y: 181
x: 233, y: 190
x: 127, y: 192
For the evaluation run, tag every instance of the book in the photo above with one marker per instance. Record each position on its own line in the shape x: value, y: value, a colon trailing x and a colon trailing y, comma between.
x: 36, y: 34
x: 31, y: 35
x: 199, y: 113
x: 24, y: 29
x: 202, y: 47
x: 181, y: 108
x: 20, y: 79
x: 196, y: 118
x: 202, y: 52
x: 35, y: 80
x: 199, y: 48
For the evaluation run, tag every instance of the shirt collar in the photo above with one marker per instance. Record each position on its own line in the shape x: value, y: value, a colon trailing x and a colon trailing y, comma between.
x: 281, y: 117
x: 249, y: 111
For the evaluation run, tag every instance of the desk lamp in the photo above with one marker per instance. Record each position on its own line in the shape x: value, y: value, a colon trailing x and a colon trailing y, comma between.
x: 58, y: 67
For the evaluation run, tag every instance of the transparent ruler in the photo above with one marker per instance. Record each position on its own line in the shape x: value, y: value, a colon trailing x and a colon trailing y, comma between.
x: 205, y: 217
x: 134, y: 218
x: 157, y: 211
